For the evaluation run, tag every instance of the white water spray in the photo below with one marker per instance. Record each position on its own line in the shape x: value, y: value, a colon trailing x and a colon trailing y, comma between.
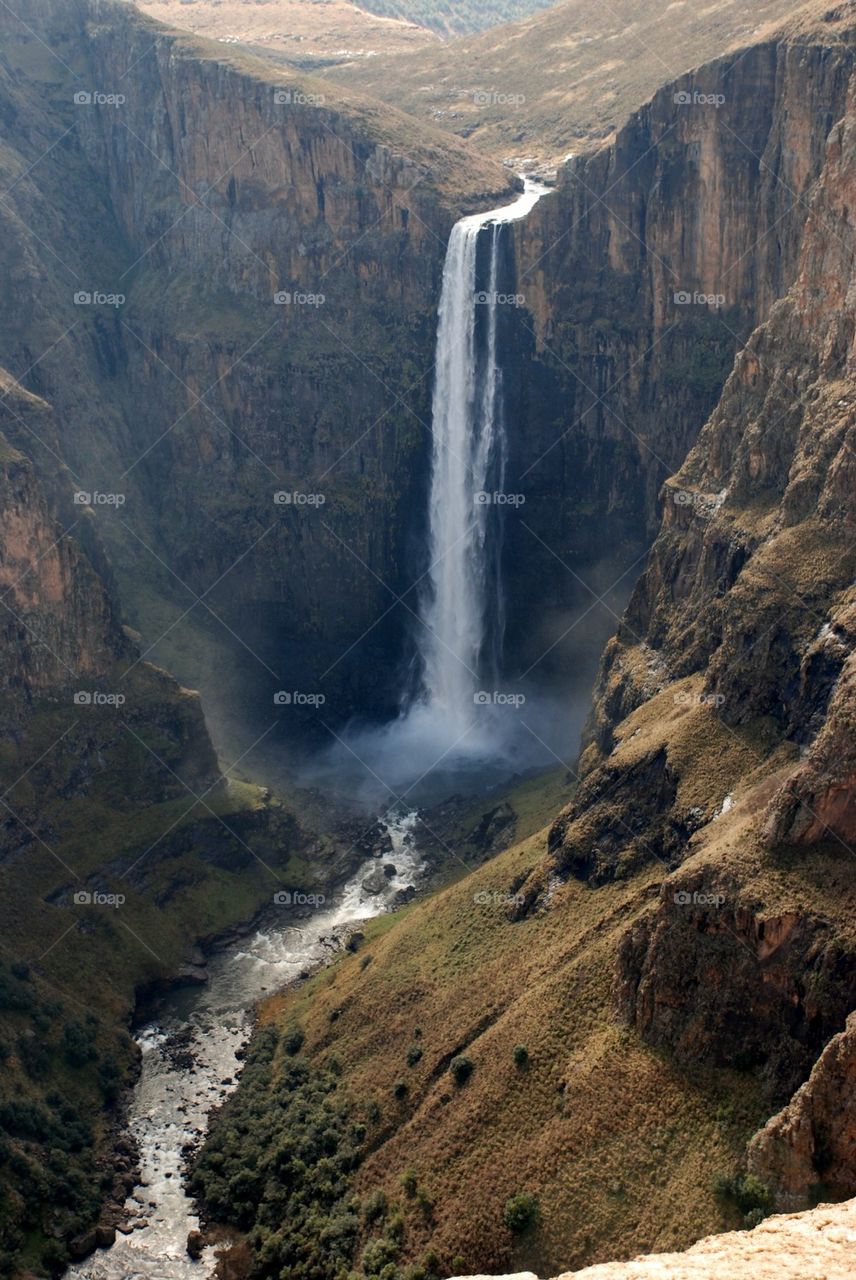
x: 459, y: 616
x: 461, y: 608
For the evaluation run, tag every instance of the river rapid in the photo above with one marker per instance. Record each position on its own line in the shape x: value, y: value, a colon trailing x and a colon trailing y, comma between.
x: 190, y: 1062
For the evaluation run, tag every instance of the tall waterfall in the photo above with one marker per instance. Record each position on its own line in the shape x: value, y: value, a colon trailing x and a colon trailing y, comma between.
x: 444, y: 726
x: 461, y: 610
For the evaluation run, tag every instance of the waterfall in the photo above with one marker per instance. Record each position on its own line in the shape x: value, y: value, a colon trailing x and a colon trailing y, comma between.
x: 444, y: 726
x: 461, y: 610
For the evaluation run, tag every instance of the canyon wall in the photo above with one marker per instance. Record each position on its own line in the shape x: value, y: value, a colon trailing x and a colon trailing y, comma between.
x: 262, y: 266
x: 640, y: 279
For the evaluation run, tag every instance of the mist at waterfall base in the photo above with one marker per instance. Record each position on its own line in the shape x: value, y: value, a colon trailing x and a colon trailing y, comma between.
x: 465, y: 726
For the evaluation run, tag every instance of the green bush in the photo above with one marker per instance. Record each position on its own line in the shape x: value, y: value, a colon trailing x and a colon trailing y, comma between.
x: 292, y: 1041
x: 414, y: 1053
x: 751, y: 1196
x: 521, y: 1212
x: 521, y: 1056
x: 399, y: 1089
x: 461, y: 1068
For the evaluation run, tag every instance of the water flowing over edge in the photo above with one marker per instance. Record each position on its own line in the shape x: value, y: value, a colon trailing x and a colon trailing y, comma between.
x: 450, y: 720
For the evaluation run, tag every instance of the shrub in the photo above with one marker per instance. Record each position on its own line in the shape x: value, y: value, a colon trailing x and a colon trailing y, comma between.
x: 461, y: 1068
x: 400, y: 1089
x: 751, y: 1196
x: 423, y: 1199
x: 378, y: 1254
x: 375, y: 1207
x: 409, y: 1182
x: 292, y: 1041
x: 414, y: 1053
x: 521, y: 1056
x: 521, y: 1212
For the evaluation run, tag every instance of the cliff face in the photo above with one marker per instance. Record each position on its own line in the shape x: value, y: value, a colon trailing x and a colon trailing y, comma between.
x: 643, y: 276
x: 270, y: 260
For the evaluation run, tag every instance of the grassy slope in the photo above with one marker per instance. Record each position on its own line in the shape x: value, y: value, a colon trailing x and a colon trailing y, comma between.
x: 619, y: 1143
x: 562, y: 79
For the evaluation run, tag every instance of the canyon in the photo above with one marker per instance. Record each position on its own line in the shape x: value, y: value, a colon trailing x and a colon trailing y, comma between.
x: 215, y: 479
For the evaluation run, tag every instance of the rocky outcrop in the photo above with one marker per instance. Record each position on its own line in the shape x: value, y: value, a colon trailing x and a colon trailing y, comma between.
x: 808, y: 1151
x: 819, y: 800
x: 716, y: 981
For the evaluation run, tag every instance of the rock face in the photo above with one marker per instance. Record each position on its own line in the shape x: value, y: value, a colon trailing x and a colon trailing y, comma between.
x: 271, y: 251
x: 643, y: 276
x: 809, y: 1148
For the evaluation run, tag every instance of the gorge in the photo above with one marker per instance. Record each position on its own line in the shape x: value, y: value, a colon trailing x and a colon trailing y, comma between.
x: 427, y: 665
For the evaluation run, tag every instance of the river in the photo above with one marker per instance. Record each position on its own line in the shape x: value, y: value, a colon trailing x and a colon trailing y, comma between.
x: 190, y: 1063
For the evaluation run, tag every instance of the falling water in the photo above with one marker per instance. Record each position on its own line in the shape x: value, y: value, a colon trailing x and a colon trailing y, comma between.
x: 461, y: 610
x: 443, y: 725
